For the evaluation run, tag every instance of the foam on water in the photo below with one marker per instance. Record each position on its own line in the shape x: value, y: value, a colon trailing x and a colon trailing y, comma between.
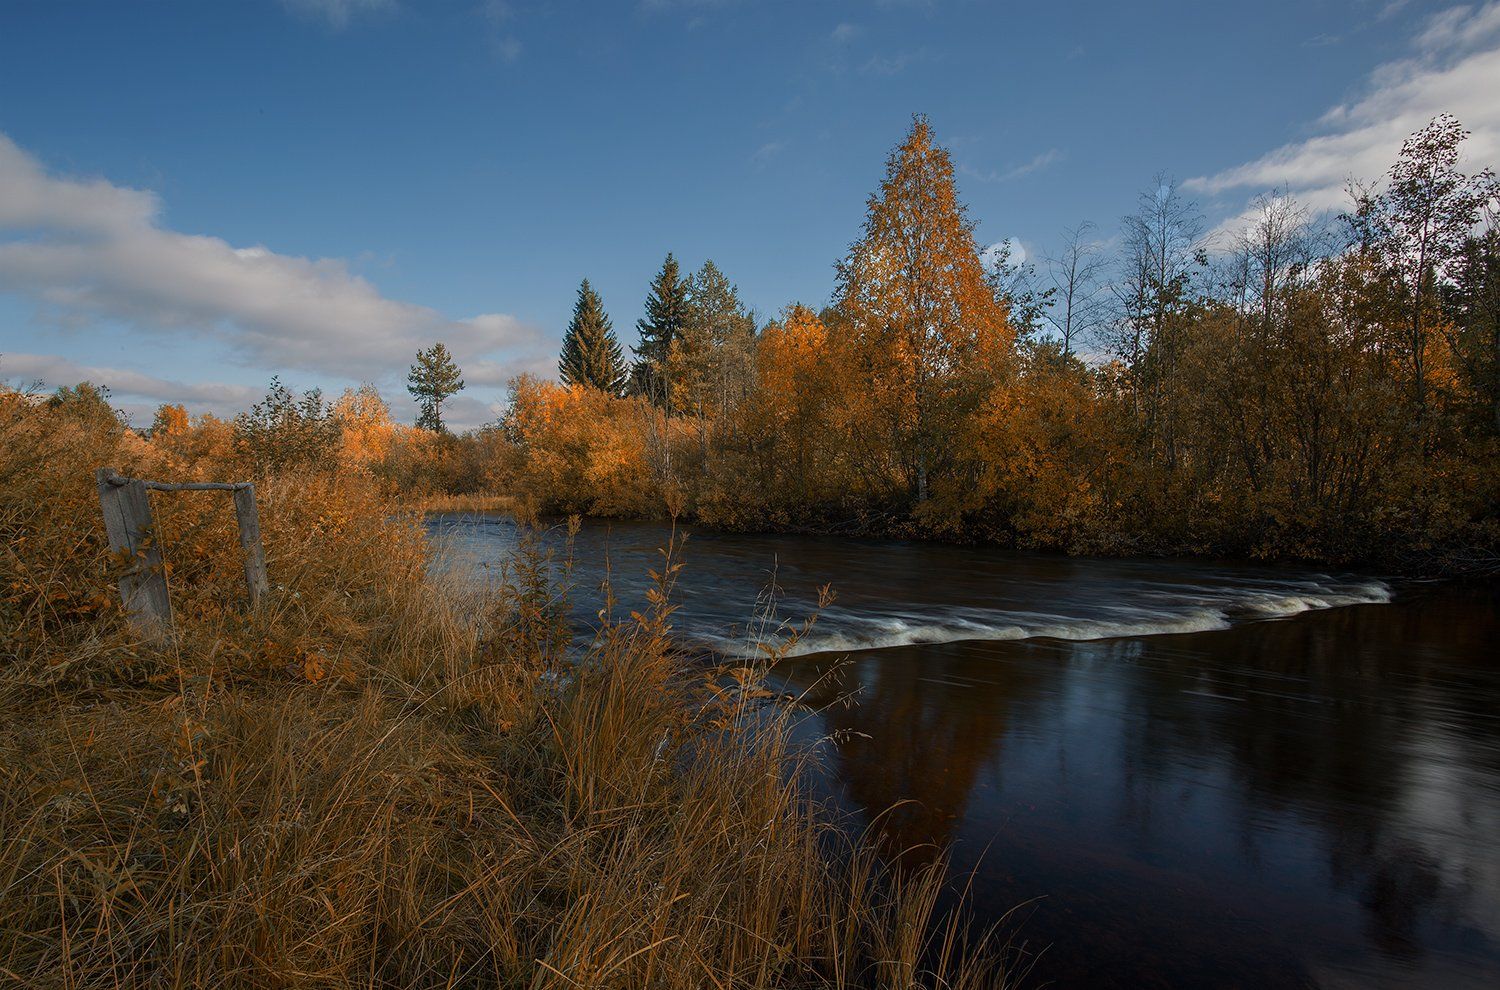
x: 1196, y: 609
x: 894, y: 594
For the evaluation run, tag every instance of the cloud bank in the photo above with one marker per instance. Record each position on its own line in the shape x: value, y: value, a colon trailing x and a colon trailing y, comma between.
x: 1453, y: 67
x: 220, y: 399
x: 88, y: 252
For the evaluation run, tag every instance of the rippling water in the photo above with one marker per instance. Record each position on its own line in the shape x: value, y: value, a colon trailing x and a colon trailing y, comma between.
x: 1187, y: 773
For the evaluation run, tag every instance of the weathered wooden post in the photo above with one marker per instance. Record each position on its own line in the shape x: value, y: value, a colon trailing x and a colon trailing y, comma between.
x: 127, y: 521
x: 248, y: 517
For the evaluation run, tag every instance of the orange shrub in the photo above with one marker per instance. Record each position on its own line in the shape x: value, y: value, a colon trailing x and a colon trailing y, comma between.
x: 577, y: 450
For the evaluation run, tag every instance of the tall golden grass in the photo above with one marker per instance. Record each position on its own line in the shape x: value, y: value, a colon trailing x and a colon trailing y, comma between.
x: 391, y: 777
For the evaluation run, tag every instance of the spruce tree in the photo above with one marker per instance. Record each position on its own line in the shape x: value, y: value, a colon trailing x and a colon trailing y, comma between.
x: 666, y: 313
x: 710, y: 366
x: 591, y: 355
x: 432, y: 381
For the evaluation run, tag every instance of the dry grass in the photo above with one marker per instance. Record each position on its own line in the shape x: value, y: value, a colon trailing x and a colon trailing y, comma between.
x: 390, y: 779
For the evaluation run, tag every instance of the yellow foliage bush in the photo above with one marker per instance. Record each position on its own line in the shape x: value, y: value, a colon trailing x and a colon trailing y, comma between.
x: 577, y: 450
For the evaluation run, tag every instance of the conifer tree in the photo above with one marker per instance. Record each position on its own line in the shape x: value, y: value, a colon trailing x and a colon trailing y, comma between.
x: 660, y: 328
x: 432, y: 381
x: 591, y: 355
x: 711, y: 364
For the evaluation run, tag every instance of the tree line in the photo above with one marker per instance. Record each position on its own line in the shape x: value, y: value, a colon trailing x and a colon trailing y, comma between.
x: 1321, y: 387
x: 1315, y: 387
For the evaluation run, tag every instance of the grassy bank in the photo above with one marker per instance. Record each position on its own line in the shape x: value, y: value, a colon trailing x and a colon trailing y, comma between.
x: 380, y: 780
x: 463, y: 503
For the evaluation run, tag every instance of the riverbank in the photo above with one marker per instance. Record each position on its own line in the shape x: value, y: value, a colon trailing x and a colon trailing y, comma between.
x: 379, y: 778
x: 1474, y: 560
x: 477, y: 502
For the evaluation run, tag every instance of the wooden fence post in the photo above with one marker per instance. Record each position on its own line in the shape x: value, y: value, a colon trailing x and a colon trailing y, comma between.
x: 127, y: 521
x: 248, y: 517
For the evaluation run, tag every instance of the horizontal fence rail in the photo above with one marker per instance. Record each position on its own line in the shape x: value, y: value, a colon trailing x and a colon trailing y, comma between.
x: 189, y: 486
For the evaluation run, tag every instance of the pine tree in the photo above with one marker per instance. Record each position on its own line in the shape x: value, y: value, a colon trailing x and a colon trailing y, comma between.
x: 591, y: 355
x: 433, y: 380
x: 666, y: 314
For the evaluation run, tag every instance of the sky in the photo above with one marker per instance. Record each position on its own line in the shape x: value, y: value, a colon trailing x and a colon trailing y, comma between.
x: 196, y: 195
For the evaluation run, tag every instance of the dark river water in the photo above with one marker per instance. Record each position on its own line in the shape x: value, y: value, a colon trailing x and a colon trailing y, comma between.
x: 1173, y: 773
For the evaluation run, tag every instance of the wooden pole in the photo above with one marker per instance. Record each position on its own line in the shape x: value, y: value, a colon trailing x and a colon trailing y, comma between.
x: 127, y: 521
x: 248, y: 517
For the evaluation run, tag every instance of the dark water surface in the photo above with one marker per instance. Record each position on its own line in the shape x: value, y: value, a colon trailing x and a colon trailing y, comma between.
x: 1189, y: 774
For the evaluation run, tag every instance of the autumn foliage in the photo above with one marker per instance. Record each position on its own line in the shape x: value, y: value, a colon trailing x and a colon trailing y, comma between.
x: 1308, y: 390
x: 1313, y: 389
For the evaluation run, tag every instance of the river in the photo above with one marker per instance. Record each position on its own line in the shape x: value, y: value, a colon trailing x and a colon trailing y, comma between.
x: 1172, y: 773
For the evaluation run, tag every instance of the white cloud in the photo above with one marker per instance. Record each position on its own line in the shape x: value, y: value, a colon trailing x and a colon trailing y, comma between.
x: 465, y: 413
x: 1460, y: 28
x: 657, y: 6
x: 53, y: 371
x: 508, y: 48
x: 497, y: 14
x: 890, y: 65
x: 337, y: 12
x: 497, y: 11
x: 766, y: 152
x: 1391, y: 9
x: 844, y: 33
x: 87, y: 251
x: 1454, y: 67
x: 1049, y: 157
x: 990, y: 255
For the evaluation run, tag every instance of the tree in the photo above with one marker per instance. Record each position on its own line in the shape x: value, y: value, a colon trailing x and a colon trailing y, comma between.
x: 1075, y: 272
x: 711, y: 363
x: 1049, y: 450
x: 366, y: 429
x: 927, y: 328
x: 283, y: 431
x: 1473, y: 311
x: 1263, y: 278
x: 171, y: 420
x: 577, y: 450
x: 1015, y: 283
x: 660, y: 328
x: 791, y: 414
x: 189, y: 446
x: 433, y: 380
x: 88, y: 404
x: 591, y: 355
x: 1418, y: 226
x: 1155, y: 291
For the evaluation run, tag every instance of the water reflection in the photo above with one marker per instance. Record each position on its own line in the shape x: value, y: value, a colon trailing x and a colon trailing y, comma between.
x: 1311, y: 800
x: 1305, y: 801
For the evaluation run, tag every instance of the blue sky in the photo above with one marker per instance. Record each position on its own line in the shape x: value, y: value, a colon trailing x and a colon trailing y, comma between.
x: 196, y: 195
